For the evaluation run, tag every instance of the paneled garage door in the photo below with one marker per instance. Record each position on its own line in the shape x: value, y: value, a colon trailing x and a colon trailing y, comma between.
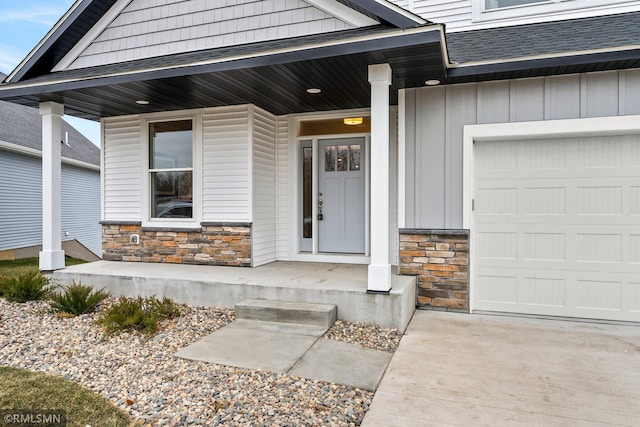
x: 556, y: 227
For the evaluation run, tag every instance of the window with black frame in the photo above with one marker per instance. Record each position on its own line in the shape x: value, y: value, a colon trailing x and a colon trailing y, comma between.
x: 171, y: 169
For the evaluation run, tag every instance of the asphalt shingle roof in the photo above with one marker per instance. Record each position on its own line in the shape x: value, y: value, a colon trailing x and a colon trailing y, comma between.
x: 603, y: 32
x: 22, y: 126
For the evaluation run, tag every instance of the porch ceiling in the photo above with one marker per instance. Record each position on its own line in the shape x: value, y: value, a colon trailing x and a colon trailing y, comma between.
x: 273, y: 77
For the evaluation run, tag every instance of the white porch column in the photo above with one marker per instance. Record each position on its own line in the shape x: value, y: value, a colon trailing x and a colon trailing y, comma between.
x: 380, y: 268
x: 52, y: 255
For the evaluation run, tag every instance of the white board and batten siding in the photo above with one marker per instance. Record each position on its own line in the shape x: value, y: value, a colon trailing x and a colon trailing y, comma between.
x: 147, y: 28
x: 122, y: 162
x: 264, y: 233
x: 435, y: 118
x: 559, y: 240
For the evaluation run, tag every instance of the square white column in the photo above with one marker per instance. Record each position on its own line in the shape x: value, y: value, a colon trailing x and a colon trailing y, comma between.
x: 52, y: 255
x: 379, y: 280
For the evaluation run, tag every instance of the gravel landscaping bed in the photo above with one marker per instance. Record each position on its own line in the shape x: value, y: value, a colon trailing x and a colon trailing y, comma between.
x: 140, y: 375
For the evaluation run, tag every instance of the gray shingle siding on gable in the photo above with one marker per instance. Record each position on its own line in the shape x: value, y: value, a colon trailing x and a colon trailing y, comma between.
x: 545, y: 38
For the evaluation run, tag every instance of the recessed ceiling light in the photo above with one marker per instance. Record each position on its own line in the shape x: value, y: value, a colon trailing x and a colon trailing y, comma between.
x: 433, y: 82
x: 314, y: 90
x: 142, y: 102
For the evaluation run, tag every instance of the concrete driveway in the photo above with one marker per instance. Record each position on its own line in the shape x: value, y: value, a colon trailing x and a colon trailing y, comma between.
x: 474, y: 370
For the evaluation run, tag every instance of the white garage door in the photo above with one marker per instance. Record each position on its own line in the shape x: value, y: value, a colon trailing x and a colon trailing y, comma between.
x: 556, y: 227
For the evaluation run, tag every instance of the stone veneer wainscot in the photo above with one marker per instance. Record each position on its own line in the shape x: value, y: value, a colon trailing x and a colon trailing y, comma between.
x: 226, y: 244
x: 440, y: 259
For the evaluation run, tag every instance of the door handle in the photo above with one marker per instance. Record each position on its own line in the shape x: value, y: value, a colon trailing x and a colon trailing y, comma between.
x: 320, y: 203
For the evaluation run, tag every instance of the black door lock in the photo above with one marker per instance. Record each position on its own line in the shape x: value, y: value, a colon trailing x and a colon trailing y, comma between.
x: 319, y: 217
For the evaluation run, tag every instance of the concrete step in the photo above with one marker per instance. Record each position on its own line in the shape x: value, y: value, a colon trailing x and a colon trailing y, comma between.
x: 323, y: 315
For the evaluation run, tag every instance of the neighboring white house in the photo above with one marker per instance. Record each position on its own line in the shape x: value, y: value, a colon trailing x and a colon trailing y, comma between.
x: 490, y: 147
x: 21, y: 189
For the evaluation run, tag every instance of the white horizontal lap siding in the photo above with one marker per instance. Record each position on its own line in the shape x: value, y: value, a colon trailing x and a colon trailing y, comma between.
x: 148, y: 29
x: 283, y: 187
x: 122, y: 170
x: 20, y: 201
x: 264, y: 188
x: 225, y: 165
x: 436, y: 116
x: 81, y: 207
x: 453, y: 13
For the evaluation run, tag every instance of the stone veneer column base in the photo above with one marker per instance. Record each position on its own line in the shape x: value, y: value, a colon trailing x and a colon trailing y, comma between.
x: 227, y: 244
x: 440, y: 259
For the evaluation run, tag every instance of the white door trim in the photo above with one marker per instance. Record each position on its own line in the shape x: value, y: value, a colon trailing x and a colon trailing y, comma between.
x: 295, y: 190
x: 619, y: 125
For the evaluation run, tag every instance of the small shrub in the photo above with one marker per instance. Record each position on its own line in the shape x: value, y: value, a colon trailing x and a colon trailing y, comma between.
x: 140, y: 314
x: 29, y: 286
x: 78, y: 299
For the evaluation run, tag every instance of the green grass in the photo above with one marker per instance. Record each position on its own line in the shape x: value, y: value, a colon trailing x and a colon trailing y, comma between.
x: 20, y: 389
x: 16, y: 267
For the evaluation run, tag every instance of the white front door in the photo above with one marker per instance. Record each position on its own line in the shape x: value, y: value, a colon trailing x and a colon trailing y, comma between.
x: 341, y: 197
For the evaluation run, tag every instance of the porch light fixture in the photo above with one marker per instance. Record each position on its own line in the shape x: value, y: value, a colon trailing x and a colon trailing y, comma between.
x: 353, y: 121
x: 142, y: 102
x: 433, y: 82
x: 314, y: 90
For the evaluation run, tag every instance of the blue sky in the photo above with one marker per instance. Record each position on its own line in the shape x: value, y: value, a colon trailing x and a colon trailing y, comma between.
x: 23, y: 23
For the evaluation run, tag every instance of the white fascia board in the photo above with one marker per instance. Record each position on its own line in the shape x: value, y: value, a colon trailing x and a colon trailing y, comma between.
x: 15, y: 148
x: 343, y: 13
x: 44, y: 40
x: 92, y: 35
x: 544, y: 56
x: 398, y: 33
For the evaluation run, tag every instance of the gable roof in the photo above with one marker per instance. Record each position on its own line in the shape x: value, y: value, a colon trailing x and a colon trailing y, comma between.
x: 85, y: 14
x: 22, y: 126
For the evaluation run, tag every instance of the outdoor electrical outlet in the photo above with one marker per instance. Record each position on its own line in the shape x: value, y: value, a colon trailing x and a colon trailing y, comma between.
x: 134, y: 239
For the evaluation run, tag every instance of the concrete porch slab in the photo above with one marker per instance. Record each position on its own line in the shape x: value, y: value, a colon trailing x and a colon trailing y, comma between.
x: 343, y: 285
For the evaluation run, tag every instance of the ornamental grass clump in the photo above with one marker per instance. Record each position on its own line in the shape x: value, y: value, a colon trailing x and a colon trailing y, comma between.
x: 29, y: 286
x: 139, y: 314
x: 77, y: 299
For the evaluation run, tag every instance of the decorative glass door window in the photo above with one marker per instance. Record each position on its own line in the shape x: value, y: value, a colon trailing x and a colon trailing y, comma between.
x: 342, y: 158
x: 171, y: 169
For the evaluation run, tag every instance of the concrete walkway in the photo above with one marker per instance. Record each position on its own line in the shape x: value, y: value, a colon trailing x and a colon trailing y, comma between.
x: 473, y: 370
x: 293, y: 349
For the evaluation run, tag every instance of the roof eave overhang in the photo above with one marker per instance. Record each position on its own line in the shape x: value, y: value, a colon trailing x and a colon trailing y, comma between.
x: 399, y: 43
x: 567, y: 63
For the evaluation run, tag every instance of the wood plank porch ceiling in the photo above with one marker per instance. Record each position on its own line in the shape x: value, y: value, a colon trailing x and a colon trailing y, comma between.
x: 278, y: 83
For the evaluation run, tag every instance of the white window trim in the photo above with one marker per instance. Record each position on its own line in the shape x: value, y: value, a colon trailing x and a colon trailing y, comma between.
x: 479, y: 14
x: 194, y: 222
x: 569, y: 128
